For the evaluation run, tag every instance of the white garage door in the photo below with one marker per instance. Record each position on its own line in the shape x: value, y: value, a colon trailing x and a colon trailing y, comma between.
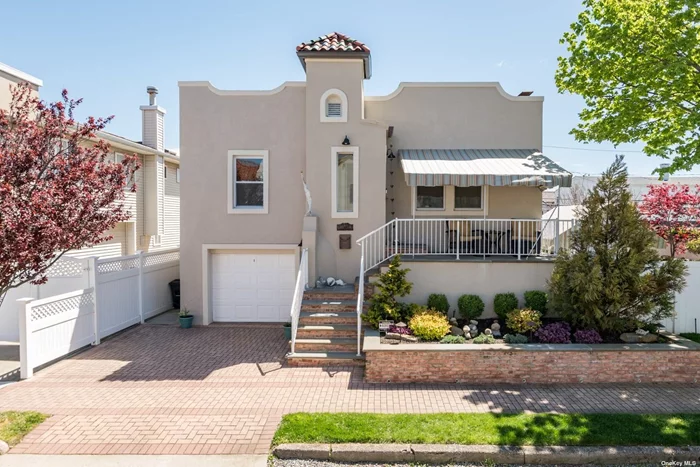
x: 252, y: 286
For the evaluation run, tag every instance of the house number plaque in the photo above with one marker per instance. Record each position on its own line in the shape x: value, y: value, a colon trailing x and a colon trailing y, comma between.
x: 345, y: 226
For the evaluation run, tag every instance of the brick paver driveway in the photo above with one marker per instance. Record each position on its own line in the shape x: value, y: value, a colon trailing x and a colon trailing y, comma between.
x: 158, y: 389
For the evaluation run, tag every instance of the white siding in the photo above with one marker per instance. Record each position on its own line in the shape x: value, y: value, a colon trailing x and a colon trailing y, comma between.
x: 109, y: 249
x: 171, y: 209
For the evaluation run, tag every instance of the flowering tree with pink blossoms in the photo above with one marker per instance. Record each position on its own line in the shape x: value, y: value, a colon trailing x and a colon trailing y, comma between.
x: 59, y: 190
x: 673, y: 213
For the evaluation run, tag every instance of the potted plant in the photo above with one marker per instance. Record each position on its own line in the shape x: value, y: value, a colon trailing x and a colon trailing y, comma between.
x: 288, y: 331
x: 185, y: 318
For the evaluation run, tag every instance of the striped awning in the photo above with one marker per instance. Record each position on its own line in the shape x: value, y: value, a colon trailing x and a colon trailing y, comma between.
x: 477, y: 167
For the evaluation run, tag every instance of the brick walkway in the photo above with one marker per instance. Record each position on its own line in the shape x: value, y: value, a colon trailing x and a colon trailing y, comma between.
x: 223, y: 390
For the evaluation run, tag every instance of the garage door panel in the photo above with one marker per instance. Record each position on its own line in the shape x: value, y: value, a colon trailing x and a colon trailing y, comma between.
x: 252, y: 287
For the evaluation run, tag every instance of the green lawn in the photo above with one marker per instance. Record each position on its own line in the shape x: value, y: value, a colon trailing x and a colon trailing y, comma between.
x: 15, y: 425
x: 488, y: 428
x: 693, y: 336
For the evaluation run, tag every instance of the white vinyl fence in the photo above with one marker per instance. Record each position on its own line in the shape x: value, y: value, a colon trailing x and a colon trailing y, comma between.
x: 120, y: 292
x: 687, y: 317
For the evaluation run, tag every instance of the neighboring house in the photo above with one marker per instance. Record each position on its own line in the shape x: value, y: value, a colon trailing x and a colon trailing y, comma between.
x: 10, y: 77
x: 155, y: 206
x: 435, y: 171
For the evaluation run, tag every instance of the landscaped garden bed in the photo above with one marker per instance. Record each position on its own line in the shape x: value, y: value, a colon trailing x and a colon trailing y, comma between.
x: 596, y: 323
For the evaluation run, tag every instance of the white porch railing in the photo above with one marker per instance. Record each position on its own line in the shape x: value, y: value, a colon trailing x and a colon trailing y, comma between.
x: 518, y: 238
x: 301, y: 285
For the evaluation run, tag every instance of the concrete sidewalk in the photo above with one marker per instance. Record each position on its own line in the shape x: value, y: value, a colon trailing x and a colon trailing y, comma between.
x: 38, y: 460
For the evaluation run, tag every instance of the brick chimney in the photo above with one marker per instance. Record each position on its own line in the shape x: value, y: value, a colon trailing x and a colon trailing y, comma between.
x: 153, y: 119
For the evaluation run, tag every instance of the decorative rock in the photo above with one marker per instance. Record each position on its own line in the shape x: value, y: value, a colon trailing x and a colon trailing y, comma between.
x: 394, y: 342
x: 649, y: 338
x: 467, y: 335
x: 488, y: 332
x: 496, y: 333
x: 641, y: 332
x: 409, y: 338
x: 456, y: 331
x: 495, y: 326
x: 401, y: 324
x: 466, y: 329
x: 634, y: 338
x: 453, y: 321
x: 393, y: 335
x: 339, y: 282
x: 330, y: 282
x: 473, y: 322
x: 3, y: 447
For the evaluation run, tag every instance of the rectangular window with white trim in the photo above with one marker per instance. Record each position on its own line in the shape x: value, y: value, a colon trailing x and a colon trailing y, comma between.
x: 345, y: 171
x: 248, y: 181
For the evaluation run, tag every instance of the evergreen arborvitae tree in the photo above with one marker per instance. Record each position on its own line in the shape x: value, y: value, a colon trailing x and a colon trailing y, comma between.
x: 612, y: 277
x: 391, y: 284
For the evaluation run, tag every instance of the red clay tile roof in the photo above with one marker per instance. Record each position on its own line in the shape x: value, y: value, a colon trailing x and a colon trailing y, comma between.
x: 334, y: 42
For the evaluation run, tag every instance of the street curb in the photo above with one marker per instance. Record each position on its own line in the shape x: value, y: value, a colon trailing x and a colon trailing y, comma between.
x: 451, y: 453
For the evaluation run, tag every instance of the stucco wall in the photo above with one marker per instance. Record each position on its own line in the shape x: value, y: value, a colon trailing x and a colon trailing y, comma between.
x: 320, y: 137
x: 435, y: 116
x: 484, y: 279
x: 212, y: 124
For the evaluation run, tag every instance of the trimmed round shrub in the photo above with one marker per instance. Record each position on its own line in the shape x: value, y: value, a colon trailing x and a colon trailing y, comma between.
x: 438, y: 302
x: 470, y: 306
x: 537, y: 300
x: 515, y: 339
x: 504, y: 303
x: 525, y: 320
x: 484, y: 339
x: 587, y: 336
x: 429, y: 325
x: 453, y: 340
x: 555, y: 333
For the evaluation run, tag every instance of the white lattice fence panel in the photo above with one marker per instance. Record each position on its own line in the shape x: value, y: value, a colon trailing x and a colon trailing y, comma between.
x: 108, y: 266
x: 60, y: 325
x: 155, y: 259
x: 66, y: 268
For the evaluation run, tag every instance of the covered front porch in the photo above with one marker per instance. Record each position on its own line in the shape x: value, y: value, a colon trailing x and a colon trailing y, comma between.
x: 468, y: 203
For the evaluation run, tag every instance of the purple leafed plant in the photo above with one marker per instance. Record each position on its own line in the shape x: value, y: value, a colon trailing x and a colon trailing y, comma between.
x: 555, y: 333
x: 587, y: 336
x: 398, y: 330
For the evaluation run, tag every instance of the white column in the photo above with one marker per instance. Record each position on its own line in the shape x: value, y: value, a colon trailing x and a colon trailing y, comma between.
x: 26, y: 352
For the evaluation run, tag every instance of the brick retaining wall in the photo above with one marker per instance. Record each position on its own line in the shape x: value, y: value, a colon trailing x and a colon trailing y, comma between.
x: 542, y: 364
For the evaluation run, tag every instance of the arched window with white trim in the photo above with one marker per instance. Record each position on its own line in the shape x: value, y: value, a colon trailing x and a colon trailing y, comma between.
x: 334, y: 106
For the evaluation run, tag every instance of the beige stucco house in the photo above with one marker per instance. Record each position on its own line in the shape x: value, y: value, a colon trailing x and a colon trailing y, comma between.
x: 434, y: 171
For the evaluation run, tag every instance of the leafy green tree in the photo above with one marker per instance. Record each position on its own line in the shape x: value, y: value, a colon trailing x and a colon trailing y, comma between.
x: 636, y: 63
x: 391, y: 284
x: 613, y: 277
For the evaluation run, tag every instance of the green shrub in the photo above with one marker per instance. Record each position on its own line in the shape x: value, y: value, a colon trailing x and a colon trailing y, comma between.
x: 453, y: 340
x: 515, y: 339
x: 525, y: 320
x: 438, y: 301
x: 504, y: 303
x: 383, y: 303
x: 429, y: 325
x: 470, y: 306
x: 484, y: 339
x: 410, y: 309
x: 537, y: 300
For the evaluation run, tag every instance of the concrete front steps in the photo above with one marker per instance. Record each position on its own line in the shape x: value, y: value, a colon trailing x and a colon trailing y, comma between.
x: 327, y: 332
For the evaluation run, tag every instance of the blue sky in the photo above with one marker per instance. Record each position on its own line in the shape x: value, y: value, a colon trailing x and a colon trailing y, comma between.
x: 108, y: 52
